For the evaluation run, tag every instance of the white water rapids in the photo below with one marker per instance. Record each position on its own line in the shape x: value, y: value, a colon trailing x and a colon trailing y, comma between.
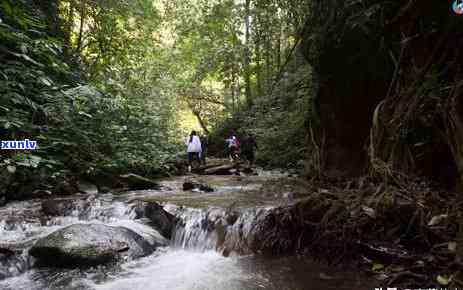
x: 190, y: 262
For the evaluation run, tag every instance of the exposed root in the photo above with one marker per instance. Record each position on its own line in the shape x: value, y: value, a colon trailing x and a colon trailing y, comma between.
x: 410, y: 228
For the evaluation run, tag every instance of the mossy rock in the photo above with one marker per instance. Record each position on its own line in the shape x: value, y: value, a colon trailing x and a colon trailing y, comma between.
x: 89, y: 245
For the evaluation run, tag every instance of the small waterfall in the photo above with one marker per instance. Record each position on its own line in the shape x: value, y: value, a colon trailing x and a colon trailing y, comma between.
x: 13, y: 264
x: 216, y: 229
x: 198, y: 229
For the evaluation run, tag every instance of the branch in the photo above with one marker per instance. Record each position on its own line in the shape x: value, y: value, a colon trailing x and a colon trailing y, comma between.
x: 202, y: 98
x: 198, y: 116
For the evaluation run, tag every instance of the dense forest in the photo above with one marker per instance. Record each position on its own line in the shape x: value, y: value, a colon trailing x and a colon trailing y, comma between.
x: 109, y: 86
x: 362, y: 98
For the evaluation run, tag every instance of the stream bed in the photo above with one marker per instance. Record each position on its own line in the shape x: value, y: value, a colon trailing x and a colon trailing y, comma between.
x: 190, y: 261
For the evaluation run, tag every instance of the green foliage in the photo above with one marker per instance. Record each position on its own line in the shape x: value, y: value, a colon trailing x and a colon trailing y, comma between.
x: 32, y: 74
x: 126, y: 125
x: 102, y: 85
x: 279, y: 121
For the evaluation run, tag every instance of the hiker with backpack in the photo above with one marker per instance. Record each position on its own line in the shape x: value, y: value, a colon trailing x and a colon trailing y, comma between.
x: 233, y: 145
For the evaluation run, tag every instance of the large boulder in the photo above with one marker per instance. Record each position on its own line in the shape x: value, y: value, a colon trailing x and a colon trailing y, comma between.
x: 89, y: 245
x: 137, y: 182
x: 160, y: 219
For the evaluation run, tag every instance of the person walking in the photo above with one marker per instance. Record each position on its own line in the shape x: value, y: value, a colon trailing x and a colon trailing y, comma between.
x: 204, y: 146
x: 232, y: 147
x: 248, y: 147
x: 194, y: 149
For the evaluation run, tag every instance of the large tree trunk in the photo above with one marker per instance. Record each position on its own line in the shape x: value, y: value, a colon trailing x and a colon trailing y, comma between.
x: 68, y: 27
x: 247, y: 57
x: 258, y: 67
x: 82, y: 22
x: 268, y: 74
x: 200, y: 120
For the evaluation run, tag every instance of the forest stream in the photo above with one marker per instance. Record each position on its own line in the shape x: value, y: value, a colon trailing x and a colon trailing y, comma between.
x: 192, y: 258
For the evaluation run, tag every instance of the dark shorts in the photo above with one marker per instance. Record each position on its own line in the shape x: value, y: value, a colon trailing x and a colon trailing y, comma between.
x: 232, y: 149
x: 193, y: 156
x: 248, y: 155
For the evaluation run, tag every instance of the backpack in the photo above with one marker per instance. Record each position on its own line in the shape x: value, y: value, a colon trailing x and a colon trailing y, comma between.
x: 237, y: 143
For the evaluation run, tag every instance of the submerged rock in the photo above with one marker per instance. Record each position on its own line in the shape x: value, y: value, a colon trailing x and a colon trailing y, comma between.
x: 137, y: 182
x: 189, y: 185
x: 89, y: 245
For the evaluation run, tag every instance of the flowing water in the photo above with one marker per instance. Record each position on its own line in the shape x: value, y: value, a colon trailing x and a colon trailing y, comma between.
x: 193, y: 260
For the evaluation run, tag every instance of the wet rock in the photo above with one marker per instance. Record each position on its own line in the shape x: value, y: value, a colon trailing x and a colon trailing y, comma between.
x: 189, y: 185
x: 63, y: 207
x: 220, y: 170
x: 160, y: 219
x: 289, y: 195
x: 65, y: 187
x: 247, y: 170
x: 12, y: 263
x: 104, y: 189
x: 89, y: 245
x: 206, y: 188
x: 6, y: 251
x: 137, y: 182
x: 231, y: 217
x: 87, y: 188
x: 41, y: 193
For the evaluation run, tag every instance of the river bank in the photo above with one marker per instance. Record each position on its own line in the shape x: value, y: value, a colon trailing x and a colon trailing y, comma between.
x: 405, y: 236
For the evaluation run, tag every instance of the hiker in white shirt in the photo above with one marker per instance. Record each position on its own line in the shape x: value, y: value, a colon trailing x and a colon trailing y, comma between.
x: 193, y: 144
